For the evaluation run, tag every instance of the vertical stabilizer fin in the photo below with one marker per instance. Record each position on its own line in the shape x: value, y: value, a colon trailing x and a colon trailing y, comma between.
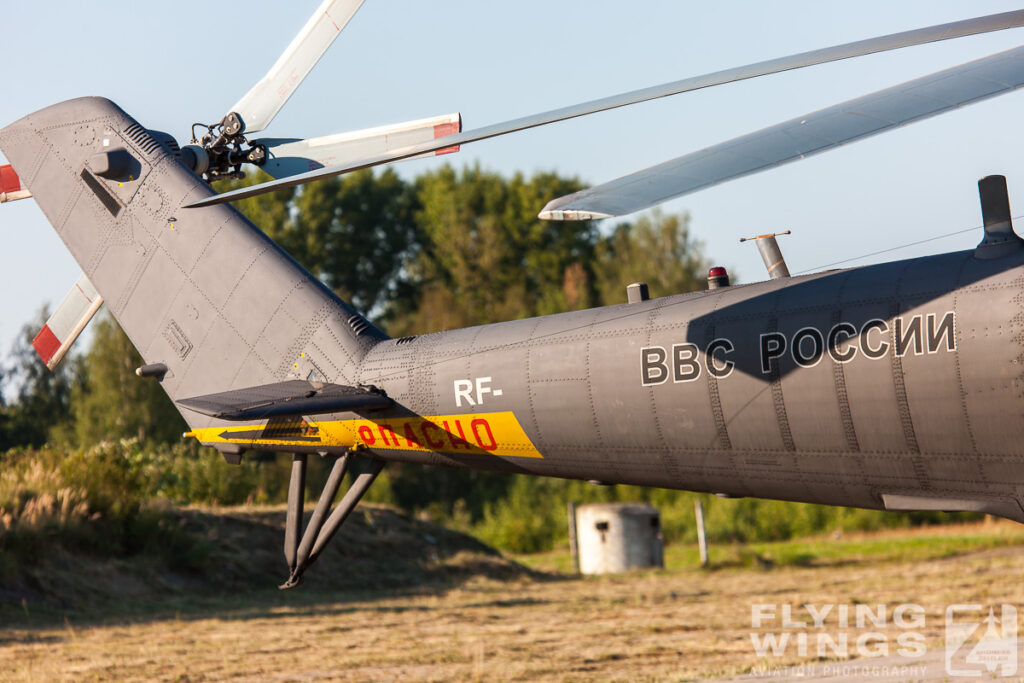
x: 204, y: 293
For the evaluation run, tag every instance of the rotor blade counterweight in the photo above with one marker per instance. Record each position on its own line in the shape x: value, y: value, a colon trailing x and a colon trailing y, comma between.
x: 260, y: 105
x: 931, y: 34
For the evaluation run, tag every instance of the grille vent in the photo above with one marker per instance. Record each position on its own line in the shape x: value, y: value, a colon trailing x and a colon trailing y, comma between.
x: 358, y: 324
x: 403, y: 340
x: 172, y: 145
x: 141, y: 137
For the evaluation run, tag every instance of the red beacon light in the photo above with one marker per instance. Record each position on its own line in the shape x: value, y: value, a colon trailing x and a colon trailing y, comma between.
x: 718, y: 277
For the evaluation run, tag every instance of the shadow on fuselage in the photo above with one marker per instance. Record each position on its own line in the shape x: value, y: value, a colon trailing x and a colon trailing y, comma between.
x: 772, y: 328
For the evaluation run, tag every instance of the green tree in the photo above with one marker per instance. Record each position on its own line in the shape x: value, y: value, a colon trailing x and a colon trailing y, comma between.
x: 353, y: 232
x: 111, y: 402
x: 656, y: 249
x: 485, y: 256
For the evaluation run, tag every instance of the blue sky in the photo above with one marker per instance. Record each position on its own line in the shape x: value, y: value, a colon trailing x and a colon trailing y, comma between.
x: 406, y: 59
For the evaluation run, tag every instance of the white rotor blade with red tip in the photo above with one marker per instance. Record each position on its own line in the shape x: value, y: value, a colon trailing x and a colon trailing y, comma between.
x: 894, y: 41
x: 10, y: 185
x: 260, y: 105
x: 67, y: 322
x: 288, y: 157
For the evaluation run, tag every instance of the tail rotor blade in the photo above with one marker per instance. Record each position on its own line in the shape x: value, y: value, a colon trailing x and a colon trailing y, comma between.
x: 262, y: 103
x: 67, y: 322
x: 10, y: 185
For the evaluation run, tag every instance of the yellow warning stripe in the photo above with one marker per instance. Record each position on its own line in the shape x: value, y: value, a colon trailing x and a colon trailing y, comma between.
x: 481, y: 433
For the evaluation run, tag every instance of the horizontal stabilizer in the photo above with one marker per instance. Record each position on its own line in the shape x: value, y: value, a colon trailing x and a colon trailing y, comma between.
x: 797, y: 138
x: 292, y: 398
x: 288, y: 157
x: 67, y: 322
x: 10, y: 185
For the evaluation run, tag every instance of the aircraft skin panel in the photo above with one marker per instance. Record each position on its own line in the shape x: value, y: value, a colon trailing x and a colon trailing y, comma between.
x: 874, y: 418
x: 870, y: 445
x: 933, y: 386
x: 632, y: 450
x: 996, y: 360
x: 812, y: 424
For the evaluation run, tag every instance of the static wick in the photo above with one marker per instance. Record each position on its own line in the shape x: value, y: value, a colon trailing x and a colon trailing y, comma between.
x: 771, y: 234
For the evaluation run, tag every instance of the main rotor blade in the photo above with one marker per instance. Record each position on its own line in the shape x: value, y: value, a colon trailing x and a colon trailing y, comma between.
x: 287, y: 157
x: 994, y: 22
x: 797, y: 138
x: 260, y: 105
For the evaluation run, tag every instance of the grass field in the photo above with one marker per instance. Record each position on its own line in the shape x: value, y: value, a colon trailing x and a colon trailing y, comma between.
x: 683, y: 623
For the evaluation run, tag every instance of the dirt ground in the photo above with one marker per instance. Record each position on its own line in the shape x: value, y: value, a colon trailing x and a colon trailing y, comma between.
x: 677, y: 624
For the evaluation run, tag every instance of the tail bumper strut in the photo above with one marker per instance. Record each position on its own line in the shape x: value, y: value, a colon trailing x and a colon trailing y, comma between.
x: 300, y: 553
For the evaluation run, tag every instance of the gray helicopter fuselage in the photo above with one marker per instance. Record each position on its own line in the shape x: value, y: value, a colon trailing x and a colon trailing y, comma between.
x: 894, y: 385
x: 891, y: 386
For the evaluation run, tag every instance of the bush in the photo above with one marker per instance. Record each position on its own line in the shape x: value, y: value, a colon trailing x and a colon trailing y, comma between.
x: 107, y: 500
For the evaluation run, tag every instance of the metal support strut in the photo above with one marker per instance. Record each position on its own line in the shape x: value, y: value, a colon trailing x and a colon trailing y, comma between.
x: 771, y: 254
x: 300, y: 553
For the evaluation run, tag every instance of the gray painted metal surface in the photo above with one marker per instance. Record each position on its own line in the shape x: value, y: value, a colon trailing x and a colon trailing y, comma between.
x: 894, y: 41
x: 294, y: 397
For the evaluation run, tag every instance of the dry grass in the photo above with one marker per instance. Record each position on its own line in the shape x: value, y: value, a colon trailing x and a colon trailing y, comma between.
x: 679, y: 624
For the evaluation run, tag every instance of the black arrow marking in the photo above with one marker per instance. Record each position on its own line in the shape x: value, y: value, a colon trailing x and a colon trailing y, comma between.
x: 258, y: 435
